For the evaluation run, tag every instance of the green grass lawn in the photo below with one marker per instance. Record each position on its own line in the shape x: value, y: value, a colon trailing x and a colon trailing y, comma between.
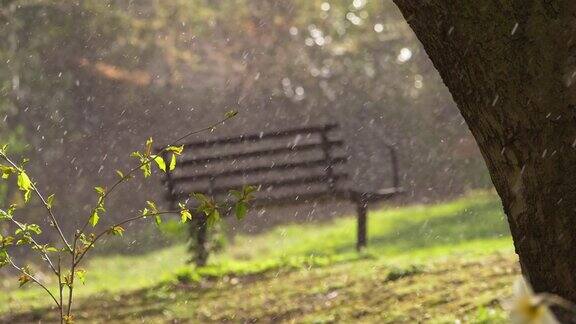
x: 439, y: 263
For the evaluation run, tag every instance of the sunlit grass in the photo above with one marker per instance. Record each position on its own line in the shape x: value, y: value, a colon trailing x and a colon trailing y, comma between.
x: 473, y: 224
x: 111, y: 274
x: 467, y: 228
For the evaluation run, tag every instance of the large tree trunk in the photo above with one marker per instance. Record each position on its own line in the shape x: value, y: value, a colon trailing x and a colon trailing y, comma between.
x: 511, y: 68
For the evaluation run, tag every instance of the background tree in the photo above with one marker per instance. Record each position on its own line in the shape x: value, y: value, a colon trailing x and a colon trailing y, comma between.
x: 510, y: 66
x: 87, y: 79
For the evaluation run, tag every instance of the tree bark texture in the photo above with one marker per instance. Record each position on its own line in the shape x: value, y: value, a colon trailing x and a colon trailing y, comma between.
x: 511, y: 68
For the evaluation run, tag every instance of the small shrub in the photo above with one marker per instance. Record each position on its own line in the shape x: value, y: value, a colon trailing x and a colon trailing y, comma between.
x: 399, y: 273
x: 64, y: 257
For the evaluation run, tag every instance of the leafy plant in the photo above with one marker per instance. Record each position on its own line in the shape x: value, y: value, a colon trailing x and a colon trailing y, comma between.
x: 399, y: 273
x: 64, y: 257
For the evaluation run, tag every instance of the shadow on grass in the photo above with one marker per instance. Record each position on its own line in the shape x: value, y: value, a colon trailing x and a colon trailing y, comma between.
x: 477, y: 221
x: 138, y: 304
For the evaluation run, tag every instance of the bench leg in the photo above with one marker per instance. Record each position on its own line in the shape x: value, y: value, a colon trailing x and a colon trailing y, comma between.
x: 199, y: 235
x: 361, y: 208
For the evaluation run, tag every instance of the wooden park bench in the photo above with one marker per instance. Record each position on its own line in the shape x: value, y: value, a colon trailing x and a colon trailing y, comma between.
x: 288, y: 167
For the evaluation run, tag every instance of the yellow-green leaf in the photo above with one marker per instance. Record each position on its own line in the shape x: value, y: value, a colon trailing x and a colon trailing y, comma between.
x: 50, y: 201
x: 175, y: 149
x: 94, y: 219
x: 152, y: 206
x: 101, y: 191
x: 160, y: 162
x: 81, y: 275
x: 116, y: 230
x: 24, y: 184
x: 185, y: 215
x: 172, y: 163
x: 149, y: 146
x: 231, y: 113
x: 6, y: 171
x: 241, y: 210
x: 213, y: 218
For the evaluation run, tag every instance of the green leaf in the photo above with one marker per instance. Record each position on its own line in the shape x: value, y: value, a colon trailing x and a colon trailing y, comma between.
x: 116, y: 230
x: 231, y: 113
x: 50, y: 249
x: 120, y: 174
x: 149, y: 143
x: 185, y: 215
x: 146, y: 170
x: 50, y: 201
x: 213, y: 218
x: 6, y: 241
x: 172, y: 163
x: 81, y: 275
x: 24, y: 184
x: 241, y: 210
x: 145, y: 167
x: 101, y: 191
x: 136, y: 154
x: 3, y: 258
x: 160, y: 162
x: 152, y: 206
x: 175, y: 149
x: 34, y: 228
x: 24, y: 240
x: 85, y: 240
x: 158, y: 220
x: 248, y: 190
x: 27, y: 196
x: 94, y: 219
x: 4, y: 215
x: 202, y: 198
x: 6, y: 171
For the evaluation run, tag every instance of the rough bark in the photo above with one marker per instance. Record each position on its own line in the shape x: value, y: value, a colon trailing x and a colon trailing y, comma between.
x: 510, y: 66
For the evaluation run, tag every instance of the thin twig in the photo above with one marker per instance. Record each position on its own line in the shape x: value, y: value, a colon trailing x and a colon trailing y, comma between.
x: 56, y: 225
x: 60, y: 289
x: 33, y: 279
x: 128, y: 220
x: 71, y: 284
x: 148, y: 161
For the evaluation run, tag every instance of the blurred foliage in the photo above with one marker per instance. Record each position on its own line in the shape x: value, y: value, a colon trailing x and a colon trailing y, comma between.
x: 79, y: 73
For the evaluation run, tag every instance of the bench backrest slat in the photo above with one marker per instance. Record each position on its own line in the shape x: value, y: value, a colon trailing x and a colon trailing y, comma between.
x: 259, y: 169
x: 282, y: 165
x: 262, y: 136
x: 259, y: 153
